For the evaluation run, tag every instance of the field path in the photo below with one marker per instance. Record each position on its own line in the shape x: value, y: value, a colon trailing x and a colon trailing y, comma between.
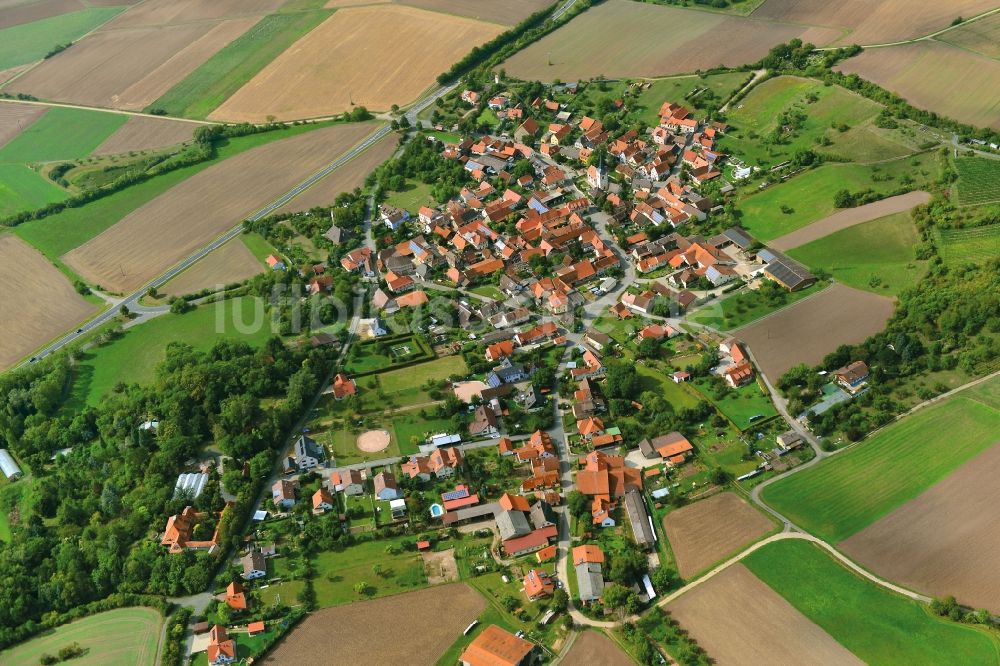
x: 83, y: 107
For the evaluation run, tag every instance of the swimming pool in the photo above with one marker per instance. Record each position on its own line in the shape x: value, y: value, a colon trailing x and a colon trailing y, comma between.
x: 437, y: 510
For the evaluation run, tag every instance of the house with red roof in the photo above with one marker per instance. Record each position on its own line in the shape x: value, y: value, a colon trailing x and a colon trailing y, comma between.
x: 343, y: 386
x: 537, y: 584
x: 236, y: 597
x: 221, y: 648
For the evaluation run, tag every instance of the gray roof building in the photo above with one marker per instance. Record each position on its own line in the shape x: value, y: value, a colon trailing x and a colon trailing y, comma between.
x: 590, y: 581
x: 512, y: 524
x: 542, y: 515
x: 635, y: 507
x: 306, y: 446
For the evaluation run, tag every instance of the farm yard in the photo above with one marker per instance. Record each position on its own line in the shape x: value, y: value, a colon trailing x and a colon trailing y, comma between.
x: 620, y: 38
x: 876, y: 256
x: 875, y: 22
x: 849, y: 492
x: 978, y: 180
x: 935, y: 76
x: 121, y: 637
x: 425, y: 623
x: 708, y: 530
x: 176, y: 223
x: 978, y: 244
x: 814, y: 327
x: 134, y: 59
x: 28, y: 42
x: 944, y: 541
x: 877, y: 625
x: 45, y: 302
x: 232, y: 262
x: 595, y: 649
x: 140, y: 133
x: 341, y: 64
x: 716, y: 614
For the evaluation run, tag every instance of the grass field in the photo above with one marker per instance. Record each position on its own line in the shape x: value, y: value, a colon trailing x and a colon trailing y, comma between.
x: 122, y: 637
x: 740, y: 405
x: 407, y: 426
x: 844, y: 494
x: 686, y: 90
x: 21, y: 188
x: 978, y: 244
x: 875, y: 256
x: 878, y: 626
x: 412, y: 198
x: 133, y: 357
x: 204, y: 89
x: 659, y: 383
x: 810, y: 195
x: 28, y: 42
x: 338, y: 572
x: 978, y: 180
x: 747, y: 306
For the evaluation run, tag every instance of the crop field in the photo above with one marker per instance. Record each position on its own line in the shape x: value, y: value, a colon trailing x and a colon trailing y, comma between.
x: 718, y: 616
x: 814, y: 327
x: 978, y: 180
x: 706, y: 531
x: 935, y: 76
x: 746, y: 306
x: 344, y: 179
x: 978, y: 244
x: 136, y: 58
x: 620, y: 38
x: 133, y: 357
x: 28, y: 42
x: 61, y: 134
x: 508, y: 12
x: 982, y: 36
x: 944, y: 541
x: 139, y: 133
x: 208, y: 86
x: 873, y: 22
x: 878, y: 626
x: 18, y: 12
x: 39, y: 302
x: 430, y: 620
x: 848, y: 217
x: 875, y: 256
x: 344, y: 62
x: 15, y: 118
x: 850, y: 491
x: 808, y: 197
x: 177, y: 223
x: 121, y: 637
x: 232, y: 262
x: 595, y: 649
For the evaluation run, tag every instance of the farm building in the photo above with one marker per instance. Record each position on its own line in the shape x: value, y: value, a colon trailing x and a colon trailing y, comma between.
x: 496, y: 647
x: 8, y: 466
x: 642, y: 530
x: 789, y: 273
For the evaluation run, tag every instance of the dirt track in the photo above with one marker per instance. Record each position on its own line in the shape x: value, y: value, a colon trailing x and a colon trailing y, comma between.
x: 814, y: 327
x: 174, y: 225
x: 413, y: 629
x: 945, y: 541
x: 232, y: 262
x: 595, y: 649
x: 848, y: 218
x: 705, y: 532
x: 738, y: 619
x: 37, y: 301
x: 139, y: 133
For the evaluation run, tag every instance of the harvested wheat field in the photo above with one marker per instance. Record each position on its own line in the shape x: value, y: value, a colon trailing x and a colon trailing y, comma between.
x: 38, y: 302
x: 849, y: 217
x: 814, y: 327
x: 140, y: 133
x: 937, y: 77
x: 945, y: 541
x: 705, y: 532
x: 373, y: 56
x: 134, y: 59
x: 344, y: 179
x: 874, y: 21
x: 507, y: 12
x: 232, y: 262
x: 15, y: 118
x: 595, y: 649
x: 172, y: 226
x: 738, y: 619
x: 425, y: 624
x: 621, y: 38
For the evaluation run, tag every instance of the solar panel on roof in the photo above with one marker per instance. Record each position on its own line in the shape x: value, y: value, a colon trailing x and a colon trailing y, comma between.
x: 455, y: 494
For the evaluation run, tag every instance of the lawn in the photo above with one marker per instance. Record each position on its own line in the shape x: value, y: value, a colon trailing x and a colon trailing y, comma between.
x: 408, y: 425
x: 978, y: 244
x: 876, y: 256
x: 489, y: 291
x: 28, y: 42
x: 259, y: 246
x: 122, y: 637
x: 978, y: 180
x: 415, y: 376
x: 133, y: 357
x: 338, y: 572
x: 880, y: 627
x: 747, y: 306
x: 809, y: 196
x: 413, y: 197
x: 344, y: 442
x: 663, y: 385
x: 740, y: 405
x: 374, y: 355
x: 21, y: 188
x: 689, y: 91
x: 224, y: 73
x: 850, y: 491
x: 57, y: 234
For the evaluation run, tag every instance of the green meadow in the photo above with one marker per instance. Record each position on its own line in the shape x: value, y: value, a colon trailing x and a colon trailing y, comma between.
x: 28, y: 42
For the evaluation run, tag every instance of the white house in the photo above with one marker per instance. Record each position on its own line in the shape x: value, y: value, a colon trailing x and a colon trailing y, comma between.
x: 308, y: 453
x: 254, y: 565
x: 348, y: 481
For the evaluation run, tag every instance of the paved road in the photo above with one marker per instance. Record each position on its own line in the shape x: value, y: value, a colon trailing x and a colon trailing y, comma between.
x: 132, y: 300
x: 557, y: 14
